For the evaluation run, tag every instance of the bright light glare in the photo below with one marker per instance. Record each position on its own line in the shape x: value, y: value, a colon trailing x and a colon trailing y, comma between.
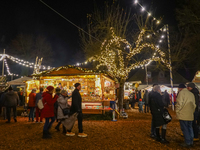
x: 160, y: 41
x: 136, y: 1
x: 149, y: 14
x: 143, y: 9
x: 148, y: 36
x: 158, y: 22
x: 162, y: 36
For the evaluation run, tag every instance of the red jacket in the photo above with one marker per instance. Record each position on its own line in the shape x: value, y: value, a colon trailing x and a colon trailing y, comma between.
x: 48, y: 101
x: 31, y: 102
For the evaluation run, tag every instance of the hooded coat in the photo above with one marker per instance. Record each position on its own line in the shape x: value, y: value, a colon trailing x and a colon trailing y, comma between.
x: 48, y: 101
x: 11, y: 99
x: 62, y: 103
x: 157, y: 108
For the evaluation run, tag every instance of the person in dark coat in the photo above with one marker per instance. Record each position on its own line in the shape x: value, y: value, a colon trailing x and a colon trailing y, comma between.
x: 157, y: 109
x: 11, y: 101
x: 56, y: 109
x: 48, y: 110
x: 195, y: 91
x: 76, y: 107
x: 146, y: 102
x: 153, y: 128
x: 166, y: 99
x: 38, y: 111
x: 132, y: 99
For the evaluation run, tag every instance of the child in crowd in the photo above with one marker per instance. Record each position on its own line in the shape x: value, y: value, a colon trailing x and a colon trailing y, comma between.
x: 140, y: 104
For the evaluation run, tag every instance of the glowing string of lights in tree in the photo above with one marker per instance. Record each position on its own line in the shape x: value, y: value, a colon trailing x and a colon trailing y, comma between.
x: 109, y: 54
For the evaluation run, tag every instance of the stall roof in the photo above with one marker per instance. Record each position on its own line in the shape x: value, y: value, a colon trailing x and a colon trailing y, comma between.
x: 19, y: 81
x: 69, y: 71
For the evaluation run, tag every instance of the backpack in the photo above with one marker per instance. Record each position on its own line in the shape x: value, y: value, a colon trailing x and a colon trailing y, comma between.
x: 40, y: 104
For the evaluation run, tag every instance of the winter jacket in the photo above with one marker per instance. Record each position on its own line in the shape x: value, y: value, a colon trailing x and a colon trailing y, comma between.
x: 48, y: 101
x: 195, y: 91
x: 185, y: 106
x: 10, y: 99
x: 38, y: 97
x: 146, y: 98
x: 2, y: 95
x: 31, y: 102
x: 62, y: 103
x: 76, y: 102
x: 156, y: 107
x: 166, y: 99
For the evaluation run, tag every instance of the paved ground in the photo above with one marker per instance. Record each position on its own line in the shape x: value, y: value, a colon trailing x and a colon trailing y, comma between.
x: 125, y: 134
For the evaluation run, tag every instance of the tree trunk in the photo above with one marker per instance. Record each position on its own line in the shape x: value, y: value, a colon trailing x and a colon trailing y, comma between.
x: 121, y: 94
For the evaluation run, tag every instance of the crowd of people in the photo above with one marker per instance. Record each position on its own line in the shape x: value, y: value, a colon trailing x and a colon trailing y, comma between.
x: 54, y: 104
x: 186, y: 103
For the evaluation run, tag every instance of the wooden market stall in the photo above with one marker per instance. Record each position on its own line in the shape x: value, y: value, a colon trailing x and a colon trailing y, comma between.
x: 98, y: 89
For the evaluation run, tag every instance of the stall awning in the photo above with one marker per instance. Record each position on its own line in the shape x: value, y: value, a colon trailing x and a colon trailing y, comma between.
x: 19, y: 81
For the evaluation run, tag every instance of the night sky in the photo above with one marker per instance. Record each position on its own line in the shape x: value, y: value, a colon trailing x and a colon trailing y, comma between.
x: 33, y: 17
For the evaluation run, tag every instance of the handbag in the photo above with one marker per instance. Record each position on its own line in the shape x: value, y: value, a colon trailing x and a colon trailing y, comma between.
x: 40, y: 104
x: 166, y: 116
x: 69, y: 122
x: 66, y: 111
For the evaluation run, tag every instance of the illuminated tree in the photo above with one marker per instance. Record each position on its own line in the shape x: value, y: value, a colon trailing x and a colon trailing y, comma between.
x: 119, y: 61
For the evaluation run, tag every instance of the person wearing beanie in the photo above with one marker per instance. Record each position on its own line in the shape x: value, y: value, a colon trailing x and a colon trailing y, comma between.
x: 185, y: 108
x: 48, y: 110
x: 191, y: 87
x: 76, y: 107
x: 11, y: 101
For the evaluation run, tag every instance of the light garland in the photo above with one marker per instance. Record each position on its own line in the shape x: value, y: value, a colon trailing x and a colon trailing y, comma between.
x: 8, y: 69
x: 24, y: 63
x: 136, y: 2
x: 120, y: 69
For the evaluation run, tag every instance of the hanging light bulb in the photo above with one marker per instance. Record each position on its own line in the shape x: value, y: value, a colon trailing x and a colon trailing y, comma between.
x: 160, y: 41
x: 149, y: 14
x: 143, y: 9
x: 158, y: 22
x: 136, y: 1
x: 162, y: 36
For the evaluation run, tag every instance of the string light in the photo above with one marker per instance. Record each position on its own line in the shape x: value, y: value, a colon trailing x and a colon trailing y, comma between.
x: 143, y: 9
x: 108, y: 55
x: 22, y: 62
x: 8, y: 69
x: 136, y: 1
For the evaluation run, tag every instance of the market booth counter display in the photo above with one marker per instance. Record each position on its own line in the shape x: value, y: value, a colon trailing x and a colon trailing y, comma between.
x: 98, y: 89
